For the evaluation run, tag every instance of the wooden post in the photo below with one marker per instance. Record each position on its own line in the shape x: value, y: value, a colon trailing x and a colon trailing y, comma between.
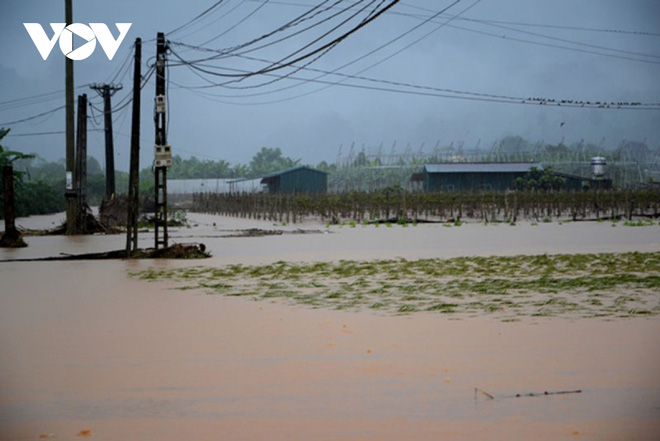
x: 11, y: 238
x: 106, y: 91
x: 10, y: 212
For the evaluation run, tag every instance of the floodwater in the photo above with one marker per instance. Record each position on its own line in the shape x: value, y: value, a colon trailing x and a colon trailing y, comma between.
x: 84, y: 347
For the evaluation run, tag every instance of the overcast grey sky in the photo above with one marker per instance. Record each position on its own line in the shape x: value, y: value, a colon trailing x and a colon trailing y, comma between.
x: 587, y: 50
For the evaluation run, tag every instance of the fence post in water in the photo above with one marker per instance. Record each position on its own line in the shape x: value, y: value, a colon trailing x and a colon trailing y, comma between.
x: 11, y: 237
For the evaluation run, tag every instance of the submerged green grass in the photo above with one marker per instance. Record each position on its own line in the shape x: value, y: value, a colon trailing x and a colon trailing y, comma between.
x: 575, y: 285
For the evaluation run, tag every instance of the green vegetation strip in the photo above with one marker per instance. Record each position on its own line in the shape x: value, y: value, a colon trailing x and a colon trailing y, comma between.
x: 575, y: 285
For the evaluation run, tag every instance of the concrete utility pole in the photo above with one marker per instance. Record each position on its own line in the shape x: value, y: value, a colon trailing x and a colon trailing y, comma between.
x: 106, y: 91
x: 134, y: 170
x: 80, y: 175
x: 70, y: 192
x: 162, y: 151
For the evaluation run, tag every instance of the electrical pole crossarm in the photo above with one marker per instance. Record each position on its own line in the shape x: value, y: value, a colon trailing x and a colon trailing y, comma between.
x: 106, y: 91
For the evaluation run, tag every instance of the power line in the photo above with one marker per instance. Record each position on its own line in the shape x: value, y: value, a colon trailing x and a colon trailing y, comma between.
x: 198, y: 30
x: 556, y: 46
x: 34, y: 99
x: 62, y: 132
x: 279, y: 65
x: 225, y: 15
x: 563, y: 40
x: 496, y: 23
x: 430, y: 91
x: 325, y: 49
x: 512, y: 23
x: 129, y: 97
x: 542, y: 25
x: 386, y: 44
x: 124, y: 67
x: 307, y: 15
x: 571, y: 28
x: 198, y: 17
x: 48, y: 112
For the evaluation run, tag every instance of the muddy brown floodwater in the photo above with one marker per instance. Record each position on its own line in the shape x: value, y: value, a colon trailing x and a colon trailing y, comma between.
x: 84, y: 347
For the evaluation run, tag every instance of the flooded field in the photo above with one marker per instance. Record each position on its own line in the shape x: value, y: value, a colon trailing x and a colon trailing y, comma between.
x: 88, y: 350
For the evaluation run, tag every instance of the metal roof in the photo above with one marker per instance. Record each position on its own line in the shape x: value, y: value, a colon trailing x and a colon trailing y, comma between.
x: 288, y: 170
x: 481, y: 167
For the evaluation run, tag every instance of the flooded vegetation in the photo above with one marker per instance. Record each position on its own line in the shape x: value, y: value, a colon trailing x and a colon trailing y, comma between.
x: 396, y: 204
x: 579, y: 285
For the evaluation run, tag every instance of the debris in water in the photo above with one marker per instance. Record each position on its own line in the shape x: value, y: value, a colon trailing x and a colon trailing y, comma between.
x: 481, y: 392
x: 176, y: 251
x: 538, y: 394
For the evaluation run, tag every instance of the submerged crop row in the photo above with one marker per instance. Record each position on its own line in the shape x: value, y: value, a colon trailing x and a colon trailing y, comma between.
x: 582, y: 285
x: 398, y: 205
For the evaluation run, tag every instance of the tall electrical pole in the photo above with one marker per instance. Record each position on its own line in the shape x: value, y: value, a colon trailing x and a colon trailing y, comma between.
x: 80, y: 175
x: 70, y: 193
x: 134, y: 171
x: 162, y: 151
x: 106, y: 91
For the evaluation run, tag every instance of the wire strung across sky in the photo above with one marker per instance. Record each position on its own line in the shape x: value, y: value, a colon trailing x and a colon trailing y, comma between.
x: 123, y: 104
x: 516, y: 28
x: 422, y: 90
x: 354, y: 14
x: 345, y: 65
x: 307, y: 51
x: 502, y: 22
x: 206, y: 68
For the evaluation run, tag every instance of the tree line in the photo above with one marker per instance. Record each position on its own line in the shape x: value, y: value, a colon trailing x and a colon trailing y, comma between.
x: 41, y: 187
x: 40, y: 184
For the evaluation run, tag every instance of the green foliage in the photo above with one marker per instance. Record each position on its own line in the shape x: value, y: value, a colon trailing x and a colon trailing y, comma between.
x: 543, y: 180
x: 269, y: 160
x: 38, y: 198
x: 9, y: 157
x: 30, y: 197
x: 558, y: 152
x: 193, y: 168
x: 324, y: 166
x: 572, y: 285
x: 640, y: 223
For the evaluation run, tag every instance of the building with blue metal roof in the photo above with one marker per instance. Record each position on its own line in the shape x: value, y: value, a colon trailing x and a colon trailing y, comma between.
x: 298, y: 180
x: 474, y: 176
